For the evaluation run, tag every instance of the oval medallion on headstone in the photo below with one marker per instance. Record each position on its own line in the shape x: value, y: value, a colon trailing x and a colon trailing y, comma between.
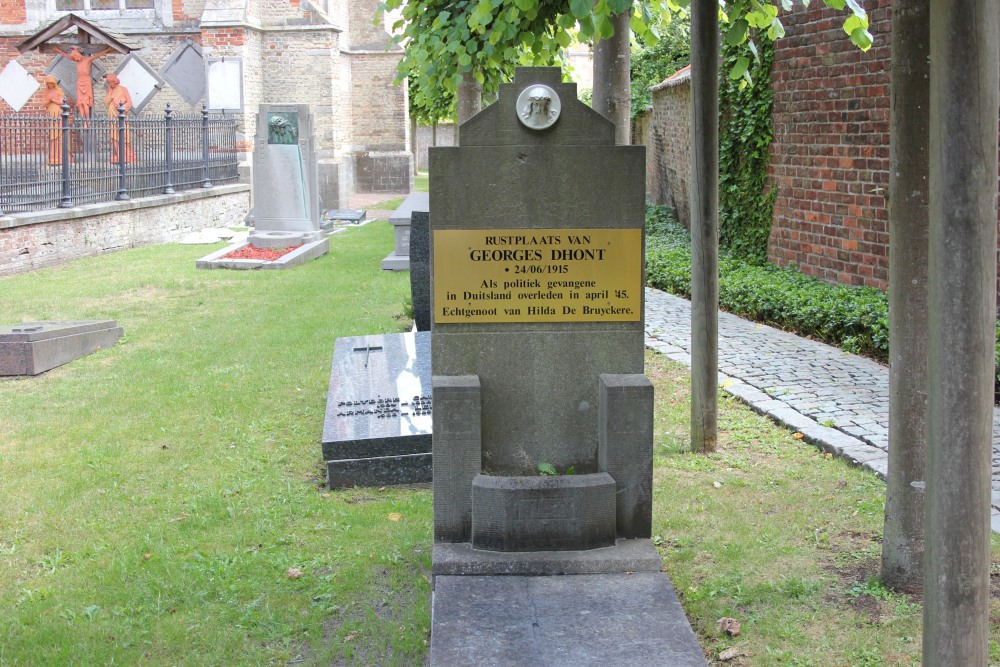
x: 538, y: 107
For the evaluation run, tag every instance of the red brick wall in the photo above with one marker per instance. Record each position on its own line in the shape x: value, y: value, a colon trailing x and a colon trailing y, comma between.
x: 830, y: 152
x: 13, y: 12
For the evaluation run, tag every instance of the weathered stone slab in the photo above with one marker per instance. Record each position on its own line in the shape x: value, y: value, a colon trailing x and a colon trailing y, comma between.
x: 420, y: 269
x: 378, y: 411
x: 346, y: 215
x: 35, y: 347
x: 561, y: 621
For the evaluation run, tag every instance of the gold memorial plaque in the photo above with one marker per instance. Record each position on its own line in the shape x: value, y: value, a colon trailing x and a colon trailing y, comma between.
x: 537, y: 275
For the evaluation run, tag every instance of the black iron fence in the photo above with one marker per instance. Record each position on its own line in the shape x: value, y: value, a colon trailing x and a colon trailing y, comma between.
x: 59, y: 162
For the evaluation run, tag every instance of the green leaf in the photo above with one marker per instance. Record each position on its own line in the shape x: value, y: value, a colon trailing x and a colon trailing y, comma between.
x: 776, y: 30
x: 856, y: 8
x: 571, y: 470
x: 564, y: 39
x: 580, y: 8
x: 853, y: 22
x: 737, y: 32
x: 862, y: 39
x: 836, y: 4
x: 525, y: 5
x: 740, y: 68
x: 546, y: 469
x: 464, y: 60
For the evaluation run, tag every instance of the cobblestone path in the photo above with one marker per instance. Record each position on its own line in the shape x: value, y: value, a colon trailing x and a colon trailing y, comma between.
x: 838, y: 401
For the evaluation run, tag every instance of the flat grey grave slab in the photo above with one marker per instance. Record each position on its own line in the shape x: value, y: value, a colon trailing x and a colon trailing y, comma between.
x: 35, y: 347
x: 561, y: 621
x: 345, y: 215
x: 377, y: 428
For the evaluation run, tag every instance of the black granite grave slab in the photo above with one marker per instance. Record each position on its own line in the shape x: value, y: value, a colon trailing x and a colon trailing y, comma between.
x: 377, y: 429
x: 420, y: 269
x: 35, y: 347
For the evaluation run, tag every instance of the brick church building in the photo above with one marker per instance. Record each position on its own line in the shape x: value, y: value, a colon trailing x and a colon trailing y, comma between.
x: 325, y: 53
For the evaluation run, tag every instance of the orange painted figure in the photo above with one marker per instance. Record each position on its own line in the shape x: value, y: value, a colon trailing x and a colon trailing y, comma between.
x: 118, y: 95
x: 84, y: 84
x: 53, y: 98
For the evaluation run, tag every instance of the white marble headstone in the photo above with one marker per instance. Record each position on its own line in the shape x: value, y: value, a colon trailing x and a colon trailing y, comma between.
x: 141, y: 81
x: 16, y: 85
x: 225, y: 85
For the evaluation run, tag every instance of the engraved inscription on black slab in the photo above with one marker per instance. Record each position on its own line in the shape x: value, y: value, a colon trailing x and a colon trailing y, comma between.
x: 380, y: 397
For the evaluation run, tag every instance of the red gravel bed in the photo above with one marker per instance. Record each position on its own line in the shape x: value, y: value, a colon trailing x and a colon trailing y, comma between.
x: 262, y: 254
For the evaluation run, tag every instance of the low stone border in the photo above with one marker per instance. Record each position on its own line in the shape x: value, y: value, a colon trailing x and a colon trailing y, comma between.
x: 296, y: 257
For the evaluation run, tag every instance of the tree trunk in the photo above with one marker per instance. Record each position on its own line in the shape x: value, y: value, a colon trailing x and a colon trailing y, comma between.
x: 469, y: 97
x: 612, y: 77
x: 903, y: 534
x: 704, y: 224
x: 964, y: 103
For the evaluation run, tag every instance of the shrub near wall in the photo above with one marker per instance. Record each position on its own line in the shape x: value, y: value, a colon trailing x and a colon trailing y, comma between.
x: 853, y: 318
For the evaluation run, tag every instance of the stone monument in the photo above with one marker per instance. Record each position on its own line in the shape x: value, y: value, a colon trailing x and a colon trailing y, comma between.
x: 286, y: 206
x: 536, y: 233
x: 399, y: 258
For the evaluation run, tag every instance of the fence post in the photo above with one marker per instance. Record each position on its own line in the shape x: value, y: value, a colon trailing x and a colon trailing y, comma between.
x: 67, y: 200
x: 207, y: 183
x: 168, y: 119
x: 122, y: 192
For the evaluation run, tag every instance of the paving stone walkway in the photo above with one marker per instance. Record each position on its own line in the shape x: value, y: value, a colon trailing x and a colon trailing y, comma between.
x: 838, y: 401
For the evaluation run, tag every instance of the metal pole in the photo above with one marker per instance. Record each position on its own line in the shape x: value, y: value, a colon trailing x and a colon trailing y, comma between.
x: 67, y: 200
x: 168, y: 119
x: 122, y: 192
x: 207, y: 183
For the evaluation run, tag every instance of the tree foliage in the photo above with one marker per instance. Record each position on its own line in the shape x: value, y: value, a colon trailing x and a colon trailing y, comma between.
x: 651, y: 64
x: 488, y: 38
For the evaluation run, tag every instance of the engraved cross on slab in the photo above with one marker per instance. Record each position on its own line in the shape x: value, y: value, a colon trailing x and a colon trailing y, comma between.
x: 367, y: 349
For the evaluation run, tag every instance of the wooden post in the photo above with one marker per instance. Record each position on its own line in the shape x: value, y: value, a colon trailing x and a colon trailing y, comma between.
x: 704, y: 224
x: 964, y: 103
x: 903, y: 533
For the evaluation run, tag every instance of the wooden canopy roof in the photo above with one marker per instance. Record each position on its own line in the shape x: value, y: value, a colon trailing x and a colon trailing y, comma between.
x: 87, y: 33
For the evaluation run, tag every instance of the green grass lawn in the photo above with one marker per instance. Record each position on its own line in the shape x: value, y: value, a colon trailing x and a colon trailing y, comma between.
x: 160, y: 501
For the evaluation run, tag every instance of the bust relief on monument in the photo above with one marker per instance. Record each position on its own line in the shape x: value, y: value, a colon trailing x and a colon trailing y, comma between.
x: 538, y: 107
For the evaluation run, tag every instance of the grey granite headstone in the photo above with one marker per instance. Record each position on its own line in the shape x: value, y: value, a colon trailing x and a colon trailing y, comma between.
x: 285, y: 186
x: 377, y: 429
x: 420, y: 269
x: 399, y: 258
x: 536, y: 266
x: 551, y: 217
x: 35, y: 347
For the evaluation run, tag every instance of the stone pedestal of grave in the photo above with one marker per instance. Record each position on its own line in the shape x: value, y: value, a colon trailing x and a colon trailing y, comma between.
x: 35, y: 347
x: 536, y: 247
x: 377, y: 429
x: 399, y: 258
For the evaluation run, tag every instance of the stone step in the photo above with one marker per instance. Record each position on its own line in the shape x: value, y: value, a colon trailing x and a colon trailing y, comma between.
x: 379, y: 471
x: 561, y: 621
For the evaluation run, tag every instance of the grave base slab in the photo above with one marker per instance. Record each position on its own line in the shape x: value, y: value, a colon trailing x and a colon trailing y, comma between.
x: 301, y: 255
x: 624, y: 556
x: 35, y: 347
x: 561, y: 621
x: 379, y: 471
